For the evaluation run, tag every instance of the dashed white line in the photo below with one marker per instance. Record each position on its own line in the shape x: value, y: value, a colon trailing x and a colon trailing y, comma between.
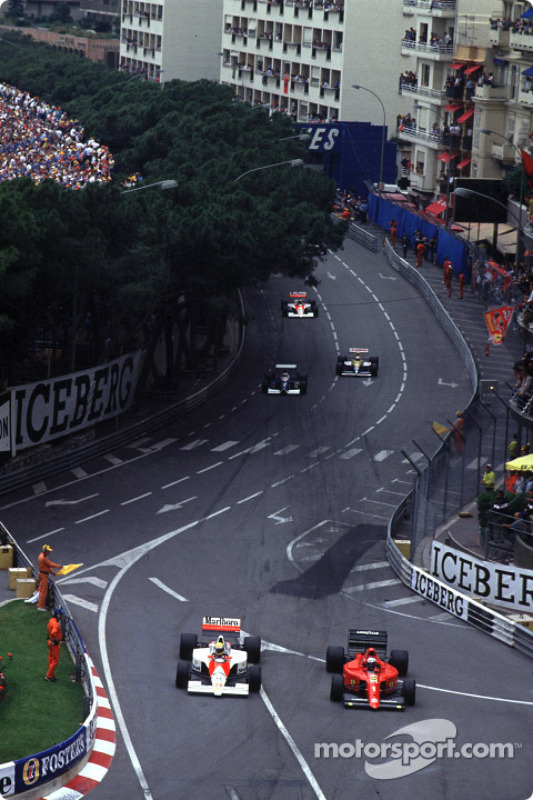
x: 134, y: 499
x: 206, y: 469
x: 166, y: 589
x: 93, y: 516
x: 175, y: 483
x: 250, y: 497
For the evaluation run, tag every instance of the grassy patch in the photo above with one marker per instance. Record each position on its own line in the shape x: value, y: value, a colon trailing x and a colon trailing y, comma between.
x: 35, y: 714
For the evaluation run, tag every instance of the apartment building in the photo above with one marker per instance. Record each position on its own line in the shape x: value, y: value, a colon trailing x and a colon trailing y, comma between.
x: 168, y: 39
x: 302, y: 57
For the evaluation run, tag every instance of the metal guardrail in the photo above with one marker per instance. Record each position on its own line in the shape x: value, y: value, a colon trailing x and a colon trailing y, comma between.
x: 74, y: 457
x: 364, y: 237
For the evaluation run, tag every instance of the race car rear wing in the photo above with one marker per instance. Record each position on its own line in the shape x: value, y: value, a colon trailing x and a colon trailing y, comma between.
x: 360, y: 640
x: 301, y: 295
x: 358, y: 349
x: 285, y: 366
x: 230, y: 627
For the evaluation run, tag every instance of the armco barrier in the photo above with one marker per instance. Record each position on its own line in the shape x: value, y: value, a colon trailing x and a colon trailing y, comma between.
x: 72, y: 458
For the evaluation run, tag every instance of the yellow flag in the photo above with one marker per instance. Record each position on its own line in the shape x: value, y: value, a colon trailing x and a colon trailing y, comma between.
x: 68, y: 568
x: 440, y: 429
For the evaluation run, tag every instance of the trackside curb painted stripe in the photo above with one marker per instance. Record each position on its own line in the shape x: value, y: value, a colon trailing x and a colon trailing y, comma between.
x: 102, y: 753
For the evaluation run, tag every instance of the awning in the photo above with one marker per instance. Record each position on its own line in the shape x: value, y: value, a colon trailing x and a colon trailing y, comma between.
x: 473, y: 69
x: 436, y: 208
x: 456, y: 66
x: 528, y: 13
x: 465, y: 116
x: 499, y: 61
x: 453, y: 106
x: 528, y: 72
x: 464, y: 163
x: 446, y: 157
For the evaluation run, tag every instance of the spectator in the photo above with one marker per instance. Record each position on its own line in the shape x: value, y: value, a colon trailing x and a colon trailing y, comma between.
x: 488, y: 479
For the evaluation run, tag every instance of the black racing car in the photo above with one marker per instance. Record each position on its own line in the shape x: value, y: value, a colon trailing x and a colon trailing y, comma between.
x: 358, y: 363
x: 284, y: 379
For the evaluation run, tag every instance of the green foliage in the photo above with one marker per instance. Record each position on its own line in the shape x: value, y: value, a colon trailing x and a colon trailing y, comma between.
x: 93, y: 259
x: 30, y: 709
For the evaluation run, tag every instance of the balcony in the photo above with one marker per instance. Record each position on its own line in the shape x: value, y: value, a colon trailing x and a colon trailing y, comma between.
x: 499, y: 38
x: 437, y: 52
x: 521, y: 41
x: 526, y: 98
x: 438, y: 8
x: 489, y: 92
x: 502, y: 151
x: 408, y: 90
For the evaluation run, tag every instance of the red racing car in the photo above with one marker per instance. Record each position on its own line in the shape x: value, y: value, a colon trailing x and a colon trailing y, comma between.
x: 365, y: 678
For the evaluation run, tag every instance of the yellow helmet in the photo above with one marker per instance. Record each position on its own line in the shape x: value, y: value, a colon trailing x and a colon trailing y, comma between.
x: 47, y: 548
x: 219, y: 646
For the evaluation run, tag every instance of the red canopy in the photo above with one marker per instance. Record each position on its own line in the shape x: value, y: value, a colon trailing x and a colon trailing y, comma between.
x: 453, y: 107
x: 465, y: 116
x: 464, y: 163
x: 472, y: 69
x: 436, y: 208
x: 456, y: 66
x: 447, y: 157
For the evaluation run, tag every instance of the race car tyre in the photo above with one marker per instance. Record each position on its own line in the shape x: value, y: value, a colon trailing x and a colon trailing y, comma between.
x: 182, y: 674
x: 303, y: 384
x: 400, y: 660
x: 335, y: 658
x: 254, y: 678
x: 188, y: 642
x: 374, y: 366
x: 409, y: 691
x: 264, y: 387
x: 252, y: 645
x: 337, y: 688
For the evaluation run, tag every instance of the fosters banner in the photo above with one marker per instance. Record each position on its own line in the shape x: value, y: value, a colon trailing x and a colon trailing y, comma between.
x: 41, y: 412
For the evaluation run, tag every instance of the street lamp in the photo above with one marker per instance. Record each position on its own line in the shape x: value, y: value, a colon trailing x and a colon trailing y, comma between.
x: 365, y: 89
x: 488, y: 132
x: 293, y: 162
x: 163, y: 185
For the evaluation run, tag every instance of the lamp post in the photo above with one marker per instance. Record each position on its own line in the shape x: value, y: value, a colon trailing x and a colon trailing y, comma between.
x: 293, y: 162
x: 519, y: 237
x: 163, y: 185
x: 365, y: 89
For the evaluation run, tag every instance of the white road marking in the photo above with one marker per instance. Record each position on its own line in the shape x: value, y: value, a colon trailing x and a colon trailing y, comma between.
x: 166, y: 589
x: 225, y: 446
x: 175, y: 506
x: 351, y: 453
x: 207, y: 469
x: 317, y: 452
x: 254, y: 449
x: 39, y: 488
x: 286, y: 450
x: 404, y: 601
x: 67, y: 580
x: 193, y: 445
x: 374, y: 585
x: 134, y: 499
x: 44, y: 535
x: 217, y: 513
x: 69, y: 502
x: 175, y: 483
x: 292, y: 744
x: 139, y: 443
x: 93, y: 516
x: 382, y: 455
x: 79, y: 601
x: 279, y: 483
x: 373, y: 565
x: 79, y: 472
x: 115, y: 460
x: 159, y: 445
x: 250, y: 497
x: 280, y: 520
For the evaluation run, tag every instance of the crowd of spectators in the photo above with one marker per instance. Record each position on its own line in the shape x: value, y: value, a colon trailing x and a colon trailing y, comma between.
x: 40, y: 141
x: 351, y: 207
x: 519, y: 25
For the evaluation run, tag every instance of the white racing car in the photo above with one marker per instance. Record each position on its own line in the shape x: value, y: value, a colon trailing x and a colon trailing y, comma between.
x: 299, y: 306
x: 225, y: 663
